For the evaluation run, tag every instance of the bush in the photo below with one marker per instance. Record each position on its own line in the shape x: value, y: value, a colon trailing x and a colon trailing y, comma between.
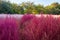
x: 42, y: 28
x: 30, y: 27
x: 8, y: 29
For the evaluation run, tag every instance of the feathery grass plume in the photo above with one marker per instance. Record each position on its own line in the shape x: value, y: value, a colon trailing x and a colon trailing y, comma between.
x: 51, y: 28
x: 8, y: 29
x: 56, y: 35
x: 26, y: 27
x: 42, y: 28
x: 25, y: 18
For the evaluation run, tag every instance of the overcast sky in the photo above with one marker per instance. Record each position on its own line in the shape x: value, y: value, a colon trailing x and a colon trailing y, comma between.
x: 43, y: 2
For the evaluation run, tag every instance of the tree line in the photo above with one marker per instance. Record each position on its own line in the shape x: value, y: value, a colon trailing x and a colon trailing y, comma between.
x: 28, y: 7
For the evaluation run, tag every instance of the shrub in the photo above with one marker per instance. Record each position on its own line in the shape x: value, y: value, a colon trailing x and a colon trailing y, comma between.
x: 26, y: 27
x: 42, y: 28
x: 30, y: 27
x: 8, y: 29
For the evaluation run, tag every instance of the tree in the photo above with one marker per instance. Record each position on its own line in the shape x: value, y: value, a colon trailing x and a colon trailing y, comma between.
x: 54, y: 8
x: 5, y: 7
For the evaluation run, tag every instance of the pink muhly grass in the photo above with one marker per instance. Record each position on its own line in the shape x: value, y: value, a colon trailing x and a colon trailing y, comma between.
x: 27, y: 27
x: 42, y: 28
x: 8, y: 29
x: 49, y: 28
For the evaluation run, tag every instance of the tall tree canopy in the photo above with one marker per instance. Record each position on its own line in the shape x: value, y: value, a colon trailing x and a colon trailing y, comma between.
x: 28, y: 7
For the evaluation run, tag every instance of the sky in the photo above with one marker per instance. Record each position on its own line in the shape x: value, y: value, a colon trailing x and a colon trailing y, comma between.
x: 42, y: 2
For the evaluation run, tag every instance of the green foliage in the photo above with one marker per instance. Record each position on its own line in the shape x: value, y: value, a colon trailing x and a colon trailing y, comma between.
x: 28, y: 7
x: 54, y: 8
x: 4, y: 7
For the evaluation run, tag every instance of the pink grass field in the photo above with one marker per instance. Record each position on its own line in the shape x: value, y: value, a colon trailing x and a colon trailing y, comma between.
x: 29, y: 27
